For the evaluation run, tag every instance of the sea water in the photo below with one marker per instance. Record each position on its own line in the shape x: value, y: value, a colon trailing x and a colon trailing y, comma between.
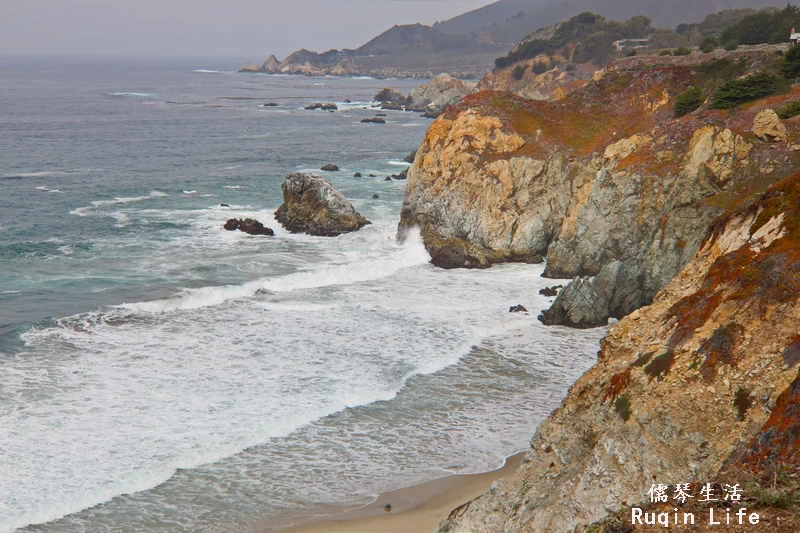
x: 158, y: 373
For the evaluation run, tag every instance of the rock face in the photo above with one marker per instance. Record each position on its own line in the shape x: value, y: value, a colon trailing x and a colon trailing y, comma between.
x: 311, y: 205
x: 604, y: 181
x: 769, y: 128
x: 701, y: 380
x: 387, y: 95
x: 434, y: 97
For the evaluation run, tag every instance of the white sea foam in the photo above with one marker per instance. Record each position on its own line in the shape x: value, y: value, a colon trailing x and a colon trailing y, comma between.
x: 232, y: 186
x: 190, y: 192
x: 204, y: 71
x: 84, y: 211
x: 135, y: 95
x: 399, y: 163
x: 411, y: 253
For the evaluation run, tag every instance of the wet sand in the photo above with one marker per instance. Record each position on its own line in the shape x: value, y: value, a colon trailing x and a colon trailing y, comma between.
x: 417, y: 509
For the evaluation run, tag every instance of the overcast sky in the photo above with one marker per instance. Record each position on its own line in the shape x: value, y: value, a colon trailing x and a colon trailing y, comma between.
x: 250, y: 29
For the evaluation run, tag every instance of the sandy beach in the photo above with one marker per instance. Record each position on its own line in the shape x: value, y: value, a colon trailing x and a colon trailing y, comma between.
x: 416, y: 509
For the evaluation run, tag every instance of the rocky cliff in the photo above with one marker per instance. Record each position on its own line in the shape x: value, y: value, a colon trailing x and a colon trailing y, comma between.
x: 605, y: 183
x: 702, y: 380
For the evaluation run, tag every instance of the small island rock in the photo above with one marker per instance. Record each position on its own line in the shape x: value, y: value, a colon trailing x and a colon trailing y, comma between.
x: 312, y: 205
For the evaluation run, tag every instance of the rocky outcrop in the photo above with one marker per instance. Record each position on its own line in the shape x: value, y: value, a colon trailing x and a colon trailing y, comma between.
x: 250, y: 68
x: 434, y: 97
x: 769, y: 128
x: 329, y: 168
x: 605, y: 178
x: 312, y: 205
x: 250, y: 226
x: 330, y: 106
x: 703, y: 379
x: 373, y: 120
x: 387, y: 95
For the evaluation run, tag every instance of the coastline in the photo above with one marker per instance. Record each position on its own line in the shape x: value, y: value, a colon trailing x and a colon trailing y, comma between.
x: 415, y: 509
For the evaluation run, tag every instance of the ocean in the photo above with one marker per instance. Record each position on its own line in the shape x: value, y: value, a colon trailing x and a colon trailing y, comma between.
x: 158, y: 373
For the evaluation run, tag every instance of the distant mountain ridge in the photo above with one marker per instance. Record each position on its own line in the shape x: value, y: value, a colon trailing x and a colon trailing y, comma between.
x: 503, y: 22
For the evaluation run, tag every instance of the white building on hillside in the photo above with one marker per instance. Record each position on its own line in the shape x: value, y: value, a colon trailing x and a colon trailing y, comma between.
x: 795, y: 37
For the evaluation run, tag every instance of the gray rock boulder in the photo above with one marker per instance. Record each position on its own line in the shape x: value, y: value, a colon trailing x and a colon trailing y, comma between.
x: 434, y: 97
x: 312, y: 205
x: 769, y: 128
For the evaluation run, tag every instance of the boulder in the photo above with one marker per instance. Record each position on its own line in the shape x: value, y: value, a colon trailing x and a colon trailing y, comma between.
x: 551, y: 291
x: 375, y: 120
x: 387, y: 178
x: 357, y: 175
x: 330, y: 168
x: 250, y: 226
x: 224, y: 205
x: 312, y: 205
x: 769, y: 128
x: 579, y: 306
x: 270, y: 104
x: 434, y: 97
x: 325, y: 107
x: 410, y: 157
x: 347, y: 101
x: 375, y: 196
x: 250, y: 68
x: 387, y: 95
x: 373, y: 176
x: 518, y: 309
x: 403, y: 175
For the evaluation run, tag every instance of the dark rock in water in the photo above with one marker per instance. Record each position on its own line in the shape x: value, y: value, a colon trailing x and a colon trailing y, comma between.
x: 250, y: 226
x: 375, y: 196
x: 380, y: 114
x: 325, y: 107
x: 347, y: 102
x: 451, y: 253
x: 312, y: 205
x: 391, y: 107
x: 270, y: 104
x: 330, y: 168
x: 387, y: 95
x: 518, y: 309
x: 551, y: 291
x: 375, y: 120
x: 373, y: 176
x: 403, y: 175
x: 410, y: 157
x: 224, y: 205
x: 388, y: 178
x: 357, y: 175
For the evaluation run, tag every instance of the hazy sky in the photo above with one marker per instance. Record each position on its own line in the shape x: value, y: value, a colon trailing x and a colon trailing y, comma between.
x: 249, y: 29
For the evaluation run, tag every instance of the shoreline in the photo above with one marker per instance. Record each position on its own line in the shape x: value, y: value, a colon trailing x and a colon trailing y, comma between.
x: 416, y: 509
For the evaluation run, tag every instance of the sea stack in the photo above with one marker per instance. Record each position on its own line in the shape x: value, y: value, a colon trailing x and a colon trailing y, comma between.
x: 312, y: 205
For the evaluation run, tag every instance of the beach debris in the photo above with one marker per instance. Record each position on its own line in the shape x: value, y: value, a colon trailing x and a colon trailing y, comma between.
x: 388, y: 507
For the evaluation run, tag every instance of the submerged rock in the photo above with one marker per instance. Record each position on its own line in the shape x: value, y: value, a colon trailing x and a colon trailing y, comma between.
x: 375, y: 196
x: 330, y: 106
x: 375, y: 120
x: 250, y: 226
x: 312, y: 205
x: 551, y: 291
x: 357, y: 175
x: 270, y: 104
x: 330, y: 168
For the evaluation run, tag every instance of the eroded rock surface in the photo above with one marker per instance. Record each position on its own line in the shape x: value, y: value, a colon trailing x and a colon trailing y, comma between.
x: 312, y: 205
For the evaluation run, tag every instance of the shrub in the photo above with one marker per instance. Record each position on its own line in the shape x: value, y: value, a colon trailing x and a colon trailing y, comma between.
x: 660, y: 365
x: 708, y: 45
x: 539, y: 68
x: 631, y: 52
x: 518, y: 72
x: 742, y: 402
x: 737, y: 91
x: 791, y: 63
x: 623, y: 407
x: 790, y: 110
x: 730, y: 46
x: 765, y: 26
x: 665, y: 53
x: 688, y: 101
x: 682, y: 51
